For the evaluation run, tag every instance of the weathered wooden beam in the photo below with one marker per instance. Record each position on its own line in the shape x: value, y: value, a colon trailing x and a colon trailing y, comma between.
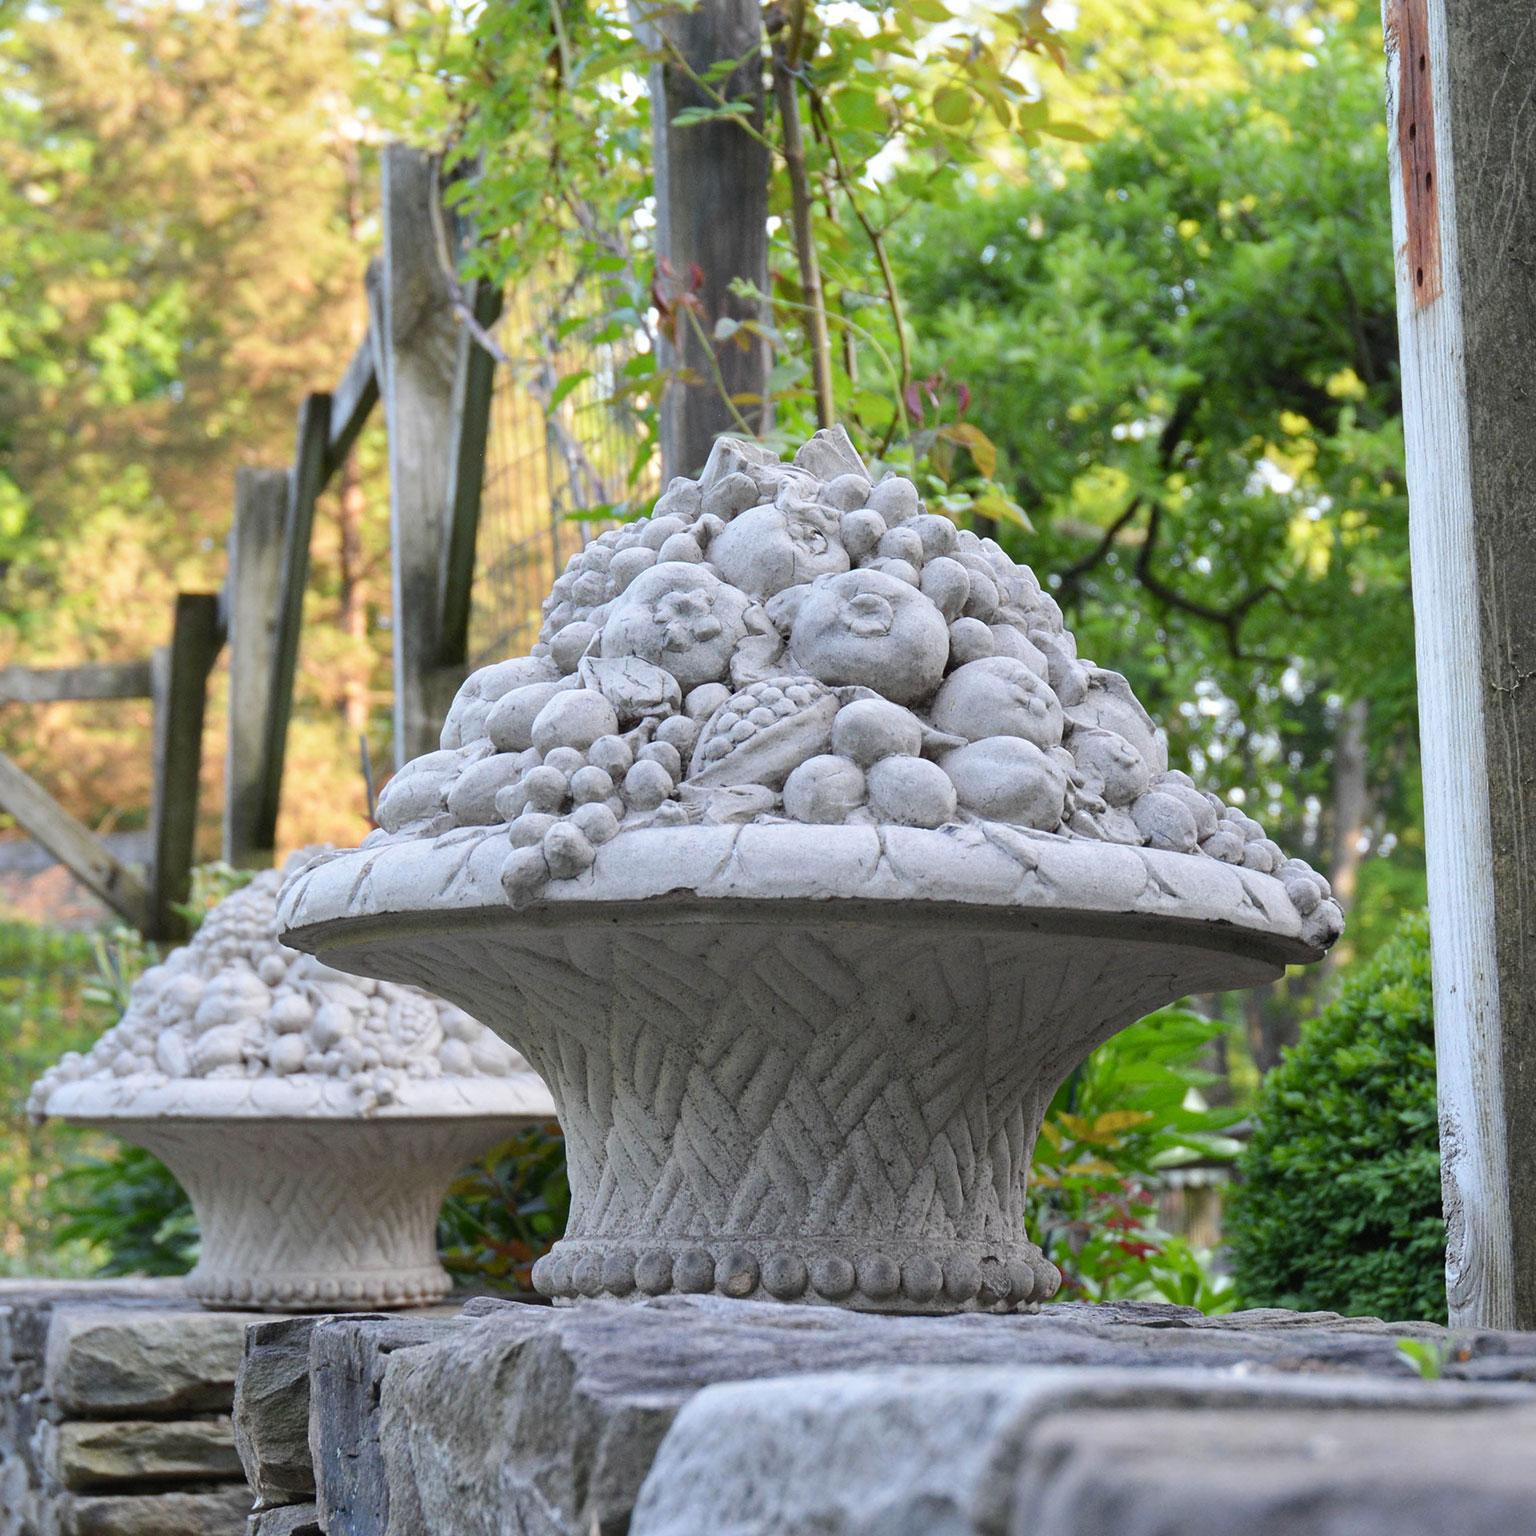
x: 373, y: 288
x: 354, y: 397
x: 181, y: 694
x: 75, y: 846
x: 700, y: 170
x: 306, y: 479
x: 252, y: 593
x: 1463, y: 148
x: 99, y: 680
x: 473, y: 384
x: 421, y: 333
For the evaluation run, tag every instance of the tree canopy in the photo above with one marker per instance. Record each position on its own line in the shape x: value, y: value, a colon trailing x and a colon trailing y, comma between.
x: 1113, y: 280
x: 186, y: 201
x: 1185, y: 350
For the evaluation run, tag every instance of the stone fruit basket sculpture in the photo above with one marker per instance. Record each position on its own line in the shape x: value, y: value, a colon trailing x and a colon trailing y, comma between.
x: 804, y: 857
x: 315, y: 1119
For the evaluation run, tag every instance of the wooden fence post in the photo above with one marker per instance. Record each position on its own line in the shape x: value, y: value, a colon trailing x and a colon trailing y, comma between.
x: 421, y: 342
x: 1463, y: 147
x: 474, y: 381
x: 305, y: 482
x: 252, y: 587
x: 180, y: 681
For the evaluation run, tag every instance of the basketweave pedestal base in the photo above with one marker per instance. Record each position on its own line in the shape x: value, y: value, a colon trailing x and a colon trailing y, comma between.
x: 829, y: 1101
x: 318, y: 1215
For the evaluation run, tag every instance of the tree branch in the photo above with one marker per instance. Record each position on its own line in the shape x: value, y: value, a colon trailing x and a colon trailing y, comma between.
x: 1071, y: 578
x: 876, y: 238
x: 1229, y: 620
x: 786, y: 91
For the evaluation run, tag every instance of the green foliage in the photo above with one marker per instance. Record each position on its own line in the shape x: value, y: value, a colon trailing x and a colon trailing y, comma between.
x: 185, y: 214
x: 127, y: 1209
x: 549, y: 121
x: 1132, y: 1110
x: 1339, y: 1207
x: 1426, y: 1356
x: 43, y: 1013
x: 506, y: 1211
x: 114, y: 1208
x: 1184, y: 347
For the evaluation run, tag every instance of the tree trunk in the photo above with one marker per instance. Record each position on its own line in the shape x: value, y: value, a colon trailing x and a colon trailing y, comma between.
x: 711, y: 224
x: 1351, y: 802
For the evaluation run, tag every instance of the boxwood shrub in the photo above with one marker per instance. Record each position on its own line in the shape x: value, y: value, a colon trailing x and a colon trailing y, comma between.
x: 1338, y: 1208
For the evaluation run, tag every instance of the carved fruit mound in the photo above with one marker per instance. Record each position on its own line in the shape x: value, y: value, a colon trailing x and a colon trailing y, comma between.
x: 234, y: 1005
x: 804, y: 858
x: 315, y: 1118
x: 790, y: 642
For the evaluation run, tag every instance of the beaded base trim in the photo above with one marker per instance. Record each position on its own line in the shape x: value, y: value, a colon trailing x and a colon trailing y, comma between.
x: 914, y: 1280
x: 319, y: 1292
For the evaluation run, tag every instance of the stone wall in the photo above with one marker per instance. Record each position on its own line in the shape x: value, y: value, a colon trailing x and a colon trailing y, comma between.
x: 680, y: 1416
x: 115, y: 1402
x: 683, y: 1416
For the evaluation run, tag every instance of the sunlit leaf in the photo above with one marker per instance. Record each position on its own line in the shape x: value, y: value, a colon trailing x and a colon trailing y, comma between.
x: 562, y: 390
x: 953, y: 105
x: 981, y: 447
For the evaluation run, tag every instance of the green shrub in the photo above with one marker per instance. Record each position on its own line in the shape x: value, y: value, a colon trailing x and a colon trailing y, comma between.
x: 506, y: 1211
x: 1339, y: 1208
x: 1133, y: 1109
x: 127, y: 1209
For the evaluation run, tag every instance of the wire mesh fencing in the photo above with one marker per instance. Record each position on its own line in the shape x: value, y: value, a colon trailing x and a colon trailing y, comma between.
x: 565, y: 458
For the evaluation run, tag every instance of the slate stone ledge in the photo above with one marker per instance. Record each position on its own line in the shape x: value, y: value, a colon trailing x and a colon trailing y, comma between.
x: 105, y: 1453
x: 114, y: 1411
x: 209, y: 1512
x: 290, y: 1520
x: 126, y: 1362
x: 602, y: 1416
x: 1056, y: 1451
x: 272, y: 1396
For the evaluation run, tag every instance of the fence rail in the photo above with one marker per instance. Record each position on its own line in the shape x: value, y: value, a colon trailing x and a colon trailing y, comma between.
x: 486, y: 465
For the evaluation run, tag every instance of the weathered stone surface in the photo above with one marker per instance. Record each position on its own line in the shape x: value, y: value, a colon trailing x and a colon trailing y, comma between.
x: 27, y: 1308
x: 272, y: 1411
x: 218, y: 1512
x: 109, y: 1361
x: 946, y: 1450
x: 290, y: 1520
x: 348, y: 1358
x: 272, y: 1394
x: 113, y: 1411
x: 96, y: 1453
x: 538, y: 1454
x: 1203, y: 1472
x: 551, y: 1417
